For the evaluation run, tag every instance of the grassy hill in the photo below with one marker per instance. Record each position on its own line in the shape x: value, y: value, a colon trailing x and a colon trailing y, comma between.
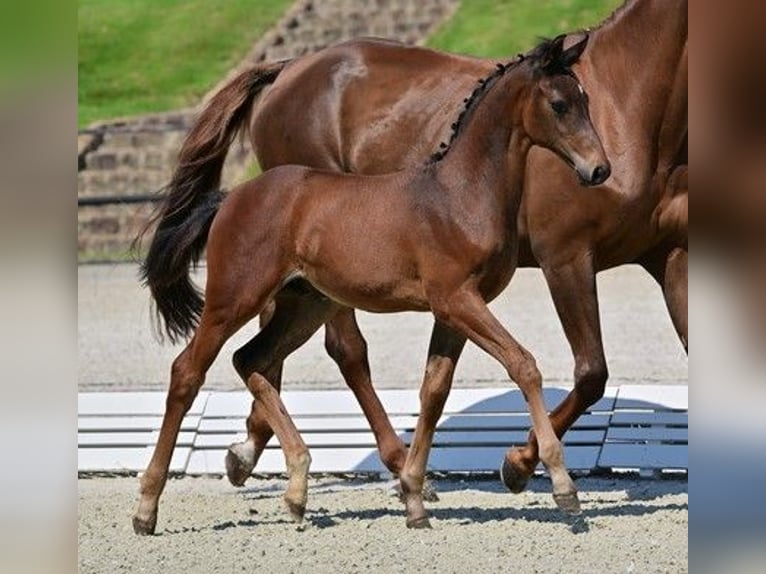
x: 141, y: 56
x: 495, y: 28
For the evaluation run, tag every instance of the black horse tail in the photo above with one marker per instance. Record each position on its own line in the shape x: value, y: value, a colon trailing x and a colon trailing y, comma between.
x: 184, y: 217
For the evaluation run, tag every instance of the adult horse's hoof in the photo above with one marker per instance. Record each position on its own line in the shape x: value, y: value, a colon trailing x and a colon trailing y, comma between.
x: 238, y: 467
x: 514, y: 480
x: 429, y: 492
x: 297, y: 511
x: 568, y: 502
x: 144, y: 527
x: 419, y: 523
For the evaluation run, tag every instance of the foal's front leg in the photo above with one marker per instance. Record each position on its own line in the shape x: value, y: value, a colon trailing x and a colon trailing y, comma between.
x: 443, y: 353
x: 466, y: 312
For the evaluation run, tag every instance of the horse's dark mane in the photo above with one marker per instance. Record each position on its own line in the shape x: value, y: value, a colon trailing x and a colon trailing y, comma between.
x: 483, y: 87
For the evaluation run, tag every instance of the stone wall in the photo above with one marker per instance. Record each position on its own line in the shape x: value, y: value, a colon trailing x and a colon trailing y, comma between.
x: 130, y: 160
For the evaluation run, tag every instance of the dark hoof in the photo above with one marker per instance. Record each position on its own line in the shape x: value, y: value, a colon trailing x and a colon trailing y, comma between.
x: 296, y: 510
x: 144, y: 527
x: 237, y: 470
x: 419, y: 523
x: 514, y: 480
x: 568, y: 502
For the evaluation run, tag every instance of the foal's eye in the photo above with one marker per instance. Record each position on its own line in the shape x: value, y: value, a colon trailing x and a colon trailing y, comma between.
x: 559, y: 106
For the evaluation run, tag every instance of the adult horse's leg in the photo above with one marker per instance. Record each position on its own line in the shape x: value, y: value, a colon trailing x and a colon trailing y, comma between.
x: 670, y: 269
x: 443, y: 353
x: 347, y: 347
x: 294, y: 317
x: 573, y: 288
x: 187, y: 376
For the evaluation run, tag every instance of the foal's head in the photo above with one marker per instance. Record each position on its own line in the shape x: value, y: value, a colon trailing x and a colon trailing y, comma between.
x: 556, y: 113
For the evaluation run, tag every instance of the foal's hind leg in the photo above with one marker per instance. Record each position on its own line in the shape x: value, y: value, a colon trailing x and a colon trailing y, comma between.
x: 187, y: 376
x: 296, y: 316
x: 297, y: 458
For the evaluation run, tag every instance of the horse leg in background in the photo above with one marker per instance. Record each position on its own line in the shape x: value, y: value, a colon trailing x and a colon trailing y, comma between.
x: 187, y: 376
x: 671, y: 271
x: 296, y: 314
x: 466, y: 312
x: 347, y: 347
x: 573, y: 288
x: 668, y: 263
x: 443, y: 353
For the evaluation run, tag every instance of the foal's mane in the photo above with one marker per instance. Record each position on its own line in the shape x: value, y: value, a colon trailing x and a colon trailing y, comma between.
x: 484, y: 85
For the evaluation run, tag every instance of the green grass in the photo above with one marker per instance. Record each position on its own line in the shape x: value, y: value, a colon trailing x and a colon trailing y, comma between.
x: 140, y: 56
x: 502, y: 28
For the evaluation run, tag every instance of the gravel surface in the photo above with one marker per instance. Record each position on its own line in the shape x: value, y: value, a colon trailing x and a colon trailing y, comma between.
x: 206, y: 525
x: 118, y: 352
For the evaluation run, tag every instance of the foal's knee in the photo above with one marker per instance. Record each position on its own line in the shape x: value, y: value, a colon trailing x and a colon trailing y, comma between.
x: 590, y: 380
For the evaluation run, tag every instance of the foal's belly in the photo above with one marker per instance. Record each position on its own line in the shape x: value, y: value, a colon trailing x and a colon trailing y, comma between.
x: 373, y: 293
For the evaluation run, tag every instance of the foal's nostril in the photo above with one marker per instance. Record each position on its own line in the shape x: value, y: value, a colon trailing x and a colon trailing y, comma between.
x: 600, y: 174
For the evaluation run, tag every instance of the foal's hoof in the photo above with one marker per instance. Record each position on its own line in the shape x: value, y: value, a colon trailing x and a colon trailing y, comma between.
x: 568, y: 502
x: 296, y: 510
x: 238, y: 468
x: 514, y: 480
x: 144, y: 527
x: 419, y: 523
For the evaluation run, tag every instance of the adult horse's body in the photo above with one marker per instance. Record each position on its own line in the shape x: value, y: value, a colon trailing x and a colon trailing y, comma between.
x: 374, y: 107
x: 440, y: 237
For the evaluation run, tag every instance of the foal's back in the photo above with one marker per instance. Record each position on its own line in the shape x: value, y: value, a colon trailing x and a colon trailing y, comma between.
x: 357, y: 238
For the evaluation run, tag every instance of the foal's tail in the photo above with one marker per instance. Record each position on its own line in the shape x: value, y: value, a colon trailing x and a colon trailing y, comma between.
x: 183, y: 218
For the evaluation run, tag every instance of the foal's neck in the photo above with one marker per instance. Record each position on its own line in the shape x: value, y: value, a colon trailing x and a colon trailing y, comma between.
x: 488, y: 156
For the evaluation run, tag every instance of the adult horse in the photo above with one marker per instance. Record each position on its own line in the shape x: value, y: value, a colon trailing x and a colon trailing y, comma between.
x: 370, y: 106
x: 438, y: 237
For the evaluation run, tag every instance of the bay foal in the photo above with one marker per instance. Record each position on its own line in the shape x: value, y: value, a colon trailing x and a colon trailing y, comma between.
x: 439, y: 238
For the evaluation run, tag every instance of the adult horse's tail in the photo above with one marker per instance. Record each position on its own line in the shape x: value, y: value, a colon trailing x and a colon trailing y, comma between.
x: 192, y: 200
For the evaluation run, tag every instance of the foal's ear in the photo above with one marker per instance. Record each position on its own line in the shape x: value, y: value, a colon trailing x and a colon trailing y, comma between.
x: 570, y: 56
x: 551, y: 59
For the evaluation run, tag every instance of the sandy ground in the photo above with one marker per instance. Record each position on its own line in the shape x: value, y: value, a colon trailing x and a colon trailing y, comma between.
x: 206, y: 525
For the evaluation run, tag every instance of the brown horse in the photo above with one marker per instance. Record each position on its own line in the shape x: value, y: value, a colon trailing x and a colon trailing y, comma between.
x: 371, y: 106
x: 440, y: 237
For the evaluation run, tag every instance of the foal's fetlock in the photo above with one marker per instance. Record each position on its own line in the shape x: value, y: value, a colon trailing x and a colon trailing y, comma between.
x: 565, y: 492
x: 568, y: 502
x: 240, y: 461
x: 296, y: 494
